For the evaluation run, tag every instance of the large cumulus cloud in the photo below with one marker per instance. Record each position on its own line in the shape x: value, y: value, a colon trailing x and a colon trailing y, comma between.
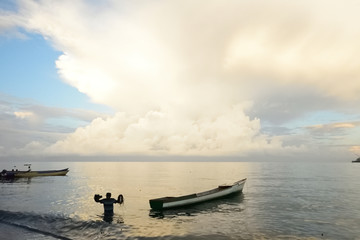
x: 180, y: 73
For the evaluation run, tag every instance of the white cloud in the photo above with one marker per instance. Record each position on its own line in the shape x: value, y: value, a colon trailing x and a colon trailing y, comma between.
x: 24, y: 115
x: 180, y: 73
x: 231, y: 132
x: 23, y: 123
x: 8, y: 23
x: 164, y: 51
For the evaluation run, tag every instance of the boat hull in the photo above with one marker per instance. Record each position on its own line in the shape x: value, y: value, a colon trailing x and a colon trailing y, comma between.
x: 174, y: 202
x: 20, y: 174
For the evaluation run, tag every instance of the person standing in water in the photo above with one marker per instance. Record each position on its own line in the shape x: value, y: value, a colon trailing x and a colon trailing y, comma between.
x: 108, y: 202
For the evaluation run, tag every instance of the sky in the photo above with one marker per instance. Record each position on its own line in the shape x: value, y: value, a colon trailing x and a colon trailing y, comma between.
x: 240, y: 79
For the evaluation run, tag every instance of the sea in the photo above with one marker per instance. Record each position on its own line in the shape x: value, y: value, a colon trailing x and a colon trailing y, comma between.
x: 280, y: 200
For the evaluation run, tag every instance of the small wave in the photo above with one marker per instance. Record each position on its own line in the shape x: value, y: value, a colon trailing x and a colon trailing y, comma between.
x: 34, y: 230
x: 63, y: 227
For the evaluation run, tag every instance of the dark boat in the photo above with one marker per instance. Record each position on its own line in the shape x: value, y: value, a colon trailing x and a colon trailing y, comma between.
x: 173, y: 202
x: 357, y: 160
x: 30, y: 173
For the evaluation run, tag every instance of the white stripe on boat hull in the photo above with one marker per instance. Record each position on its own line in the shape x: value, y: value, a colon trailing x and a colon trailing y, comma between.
x: 202, y: 198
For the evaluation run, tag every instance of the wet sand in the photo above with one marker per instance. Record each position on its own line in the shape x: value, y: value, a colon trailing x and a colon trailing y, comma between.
x: 11, y: 232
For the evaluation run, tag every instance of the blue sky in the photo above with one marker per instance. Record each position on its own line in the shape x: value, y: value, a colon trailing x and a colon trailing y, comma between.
x: 28, y: 71
x: 173, y: 78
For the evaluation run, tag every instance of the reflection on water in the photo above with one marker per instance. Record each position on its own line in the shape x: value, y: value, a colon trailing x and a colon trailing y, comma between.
x: 279, y: 201
x: 110, y: 218
x: 16, y: 180
x: 62, y: 227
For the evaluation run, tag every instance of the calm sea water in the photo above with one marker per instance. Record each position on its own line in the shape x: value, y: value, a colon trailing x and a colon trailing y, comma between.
x: 279, y: 201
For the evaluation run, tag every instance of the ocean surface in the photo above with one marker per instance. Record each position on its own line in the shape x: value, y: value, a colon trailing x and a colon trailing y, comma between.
x: 280, y: 200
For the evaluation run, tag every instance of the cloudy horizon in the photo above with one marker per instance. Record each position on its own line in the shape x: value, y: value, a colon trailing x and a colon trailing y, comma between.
x: 181, y: 78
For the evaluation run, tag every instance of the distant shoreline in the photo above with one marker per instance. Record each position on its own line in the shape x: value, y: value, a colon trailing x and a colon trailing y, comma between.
x: 141, y: 158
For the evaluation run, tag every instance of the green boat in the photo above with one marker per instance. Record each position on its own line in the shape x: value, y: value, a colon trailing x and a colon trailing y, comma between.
x: 174, y: 202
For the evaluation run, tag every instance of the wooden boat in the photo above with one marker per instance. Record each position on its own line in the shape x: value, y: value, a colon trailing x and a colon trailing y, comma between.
x: 30, y: 173
x: 357, y: 160
x: 173, y: 202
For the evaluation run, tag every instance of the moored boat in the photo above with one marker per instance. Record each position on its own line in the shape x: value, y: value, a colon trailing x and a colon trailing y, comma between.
x: 220, y: 191
x: 29, y: 173
x: 357, y: 160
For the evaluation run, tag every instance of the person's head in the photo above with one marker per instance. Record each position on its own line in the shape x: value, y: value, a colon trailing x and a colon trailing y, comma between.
x: 108, y: 195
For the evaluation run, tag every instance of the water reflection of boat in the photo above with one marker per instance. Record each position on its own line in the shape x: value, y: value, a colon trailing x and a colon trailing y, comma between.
x: 173, y: 202
x: 29, y: 173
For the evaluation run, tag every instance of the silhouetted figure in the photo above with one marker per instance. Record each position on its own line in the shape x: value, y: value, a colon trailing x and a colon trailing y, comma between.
x: 108, y: 202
